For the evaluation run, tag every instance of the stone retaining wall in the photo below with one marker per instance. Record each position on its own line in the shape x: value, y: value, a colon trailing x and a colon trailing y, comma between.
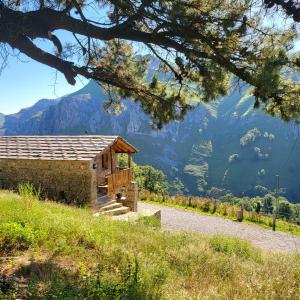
x: 131, y: 194
x: 71, y: 182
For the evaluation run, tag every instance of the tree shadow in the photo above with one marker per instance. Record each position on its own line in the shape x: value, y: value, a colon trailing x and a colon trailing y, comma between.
x: 48, y: 280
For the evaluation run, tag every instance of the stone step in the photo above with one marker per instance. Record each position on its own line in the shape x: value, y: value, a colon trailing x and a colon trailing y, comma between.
x: 99, y: 204
x: 103, y: 198
x: 103, y: 189
x: 103, y: 185
x: 110, y: 206
x: 117, y: 211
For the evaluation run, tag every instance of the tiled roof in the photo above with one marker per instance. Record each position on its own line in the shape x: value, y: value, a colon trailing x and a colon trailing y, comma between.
x: 59, y: 147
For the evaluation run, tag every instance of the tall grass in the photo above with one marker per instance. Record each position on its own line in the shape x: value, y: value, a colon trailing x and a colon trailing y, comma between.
x: 223, y: 209
x: 29, y: 193
x: 234, y: 246
x: 68, y: 254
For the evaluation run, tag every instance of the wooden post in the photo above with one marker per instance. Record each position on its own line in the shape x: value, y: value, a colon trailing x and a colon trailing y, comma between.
x: 240, y: 214
x: 274, y: 221
x: 111, y: 162
x: 129, y: 160
x: 277, y: 204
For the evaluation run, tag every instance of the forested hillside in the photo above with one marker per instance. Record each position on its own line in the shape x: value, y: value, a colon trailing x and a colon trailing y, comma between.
x: 224, y: 144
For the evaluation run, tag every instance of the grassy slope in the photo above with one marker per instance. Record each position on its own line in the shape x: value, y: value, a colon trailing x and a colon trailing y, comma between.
x: 73, y: 256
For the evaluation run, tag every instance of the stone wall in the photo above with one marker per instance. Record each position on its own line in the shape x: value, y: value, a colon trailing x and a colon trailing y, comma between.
x: 71, y: 182
x: 131, y: 196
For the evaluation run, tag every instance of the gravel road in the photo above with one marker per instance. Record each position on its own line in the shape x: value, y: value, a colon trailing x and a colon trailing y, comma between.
x: 182, y: 220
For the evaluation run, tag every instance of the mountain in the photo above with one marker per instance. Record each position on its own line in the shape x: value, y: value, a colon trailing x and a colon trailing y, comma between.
x: 225, y: 144
x: 2, y: 118
x: 27, y: 120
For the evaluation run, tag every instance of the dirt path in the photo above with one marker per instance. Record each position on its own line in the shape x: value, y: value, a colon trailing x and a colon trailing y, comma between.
x: 182, y: 220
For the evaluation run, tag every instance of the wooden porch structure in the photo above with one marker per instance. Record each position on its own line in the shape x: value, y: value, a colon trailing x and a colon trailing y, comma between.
x: 115, y: 183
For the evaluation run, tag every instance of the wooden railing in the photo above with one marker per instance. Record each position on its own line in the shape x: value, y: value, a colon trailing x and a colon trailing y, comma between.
x: 118, y: 180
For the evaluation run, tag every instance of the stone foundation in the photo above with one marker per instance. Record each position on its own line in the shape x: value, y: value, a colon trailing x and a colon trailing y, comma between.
x: 131, y: 197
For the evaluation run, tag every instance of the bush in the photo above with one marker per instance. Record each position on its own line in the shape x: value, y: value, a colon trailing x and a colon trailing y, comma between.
x: 250, y: 137
x: 269, y: 136
x: 232, y: 158
x: 176, y: 187
x: 259, y: 155
x: 285, y: 210
x: 151, y: 179
x: 260, y: 190
x: 268, y: 201
x: 225, y: 208
x: 206, y: 205
x: 15, y: 237
x: 216, y: 193
x: 261, y: 173
x: 254, y: 217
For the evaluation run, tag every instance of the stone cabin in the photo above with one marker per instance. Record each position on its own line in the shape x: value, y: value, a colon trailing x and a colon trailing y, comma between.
x: 80, y: 170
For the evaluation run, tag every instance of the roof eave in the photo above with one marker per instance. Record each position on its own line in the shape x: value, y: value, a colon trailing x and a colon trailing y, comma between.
x: 134, y: 149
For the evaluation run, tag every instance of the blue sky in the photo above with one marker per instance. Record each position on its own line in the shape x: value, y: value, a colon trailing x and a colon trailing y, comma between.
x: 23, y: 83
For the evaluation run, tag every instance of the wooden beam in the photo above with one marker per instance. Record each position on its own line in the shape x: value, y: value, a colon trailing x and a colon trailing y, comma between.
x: 129, y: 160
x: 111, y: 162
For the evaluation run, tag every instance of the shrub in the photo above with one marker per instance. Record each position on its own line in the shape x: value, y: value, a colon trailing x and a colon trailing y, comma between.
x: 260, y: 190
x: 216, y: 193
x: 269, y: 136
x: 151, y: 179
x: 250, y: 137
x: 232, y: 158
x: 7, y: 288
x: 215, y: 206
x: 176, y: 187
x: 225, y: 208
x: 257, y: 218
x: 262, y: 173
x: 259, y: 155
x: 268, y: 201
x: 285, y: 210
x: 15, y: 237
x: 206, y: 205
